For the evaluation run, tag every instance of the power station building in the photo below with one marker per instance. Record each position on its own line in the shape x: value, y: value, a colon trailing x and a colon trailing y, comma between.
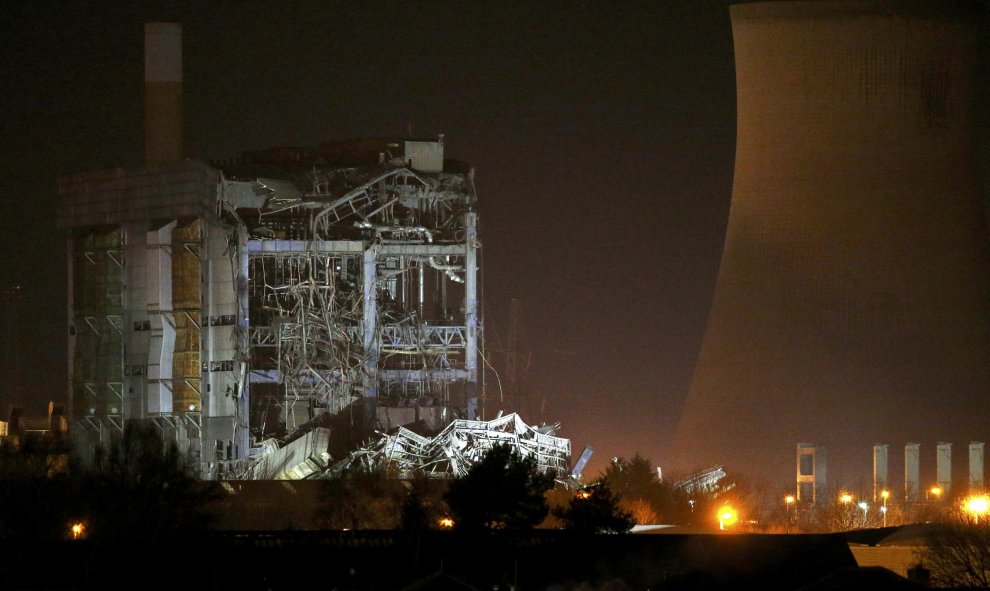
x: 853, y: 299
x: 228, y: 304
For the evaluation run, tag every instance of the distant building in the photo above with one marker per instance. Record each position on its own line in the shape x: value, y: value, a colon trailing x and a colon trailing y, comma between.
x: 54, y: 425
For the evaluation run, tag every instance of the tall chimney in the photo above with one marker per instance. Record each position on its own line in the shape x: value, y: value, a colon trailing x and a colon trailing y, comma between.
x: 162, y: 92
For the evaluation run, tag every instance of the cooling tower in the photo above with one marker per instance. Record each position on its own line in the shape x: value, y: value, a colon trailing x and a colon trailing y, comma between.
x: 852, y: 299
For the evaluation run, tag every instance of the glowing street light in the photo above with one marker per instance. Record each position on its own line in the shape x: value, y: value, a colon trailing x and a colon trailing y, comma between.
x: 77, y: 530
x: 884, y: 495
x: 727, y: 516
x: 445, y: 522
x: 788, y: 501
x: 846, y: 498
x: 865, y: 507
x: 936, y: 492
x: 977, y: 506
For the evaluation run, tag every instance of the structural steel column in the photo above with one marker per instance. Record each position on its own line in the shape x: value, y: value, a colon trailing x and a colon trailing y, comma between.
x: 471, y: 312
x: 369, y: 324
x: 242, y: 429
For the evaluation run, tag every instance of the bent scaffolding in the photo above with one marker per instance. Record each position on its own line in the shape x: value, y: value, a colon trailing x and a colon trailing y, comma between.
x: 453, y: 451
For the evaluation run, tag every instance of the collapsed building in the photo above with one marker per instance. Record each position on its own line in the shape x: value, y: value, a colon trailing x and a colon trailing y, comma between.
x: 460, y: 445
x: 226, y: 303
x: 289, y: 294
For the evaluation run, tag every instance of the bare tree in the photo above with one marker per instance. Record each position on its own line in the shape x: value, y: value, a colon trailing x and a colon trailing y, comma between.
x: 958, y: 555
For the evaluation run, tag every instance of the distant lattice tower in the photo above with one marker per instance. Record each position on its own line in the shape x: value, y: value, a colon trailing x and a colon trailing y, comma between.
x: 852, y: 299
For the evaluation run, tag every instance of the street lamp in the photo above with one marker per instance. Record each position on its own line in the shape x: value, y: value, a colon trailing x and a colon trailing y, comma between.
x: 788, y: 501
x: 935, y: 491
x: 864, y: 507
x: 884, y: 494
x: 977, y: 506
x: 846, y: 498
x: 727, y: 516
x: 77, y: 530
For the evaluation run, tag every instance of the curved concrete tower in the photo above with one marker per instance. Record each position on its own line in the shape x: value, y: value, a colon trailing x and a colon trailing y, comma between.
x: 852, y: 299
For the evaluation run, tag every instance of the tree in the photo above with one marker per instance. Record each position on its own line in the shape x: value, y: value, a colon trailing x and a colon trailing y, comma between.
x: 142, y: 489
x: 423, y: 506
x: 503, y: 490
x: 34, y: 489
x: 641, y: 510
x: 360, y: 498
x: 638, y: 484
x: 595, y: 509
x: 634, y: 478
x: 958, y: 556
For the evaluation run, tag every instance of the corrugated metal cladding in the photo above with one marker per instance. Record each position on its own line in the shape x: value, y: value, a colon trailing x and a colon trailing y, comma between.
x: 186, y: 307
x: 97, y: 373
x: 185, y: 188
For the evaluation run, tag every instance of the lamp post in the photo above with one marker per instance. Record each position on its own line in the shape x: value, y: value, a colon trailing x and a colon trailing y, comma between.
x: 864, y: 506
x: 884, y: 495
x: 934, y: 492
x: 977, y: 506
x: 726, y: 516
x: 788, y: 501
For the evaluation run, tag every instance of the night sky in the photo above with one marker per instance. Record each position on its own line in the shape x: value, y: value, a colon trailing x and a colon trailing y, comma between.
x: 602, y: 136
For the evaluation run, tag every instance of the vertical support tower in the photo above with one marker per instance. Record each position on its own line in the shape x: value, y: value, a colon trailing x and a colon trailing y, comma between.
x: 943, y: 467
x: 811, y: 472
x: 912, y: 471
x: 976, y: 466
x: 881, y: 470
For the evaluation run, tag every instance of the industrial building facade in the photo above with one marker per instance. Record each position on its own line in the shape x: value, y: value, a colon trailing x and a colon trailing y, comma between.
x: 230, y: 304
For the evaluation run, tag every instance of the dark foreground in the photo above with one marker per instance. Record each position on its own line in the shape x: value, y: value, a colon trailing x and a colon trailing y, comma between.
x: 431, y: 560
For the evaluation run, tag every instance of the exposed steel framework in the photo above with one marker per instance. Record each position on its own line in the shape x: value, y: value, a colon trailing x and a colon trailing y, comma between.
x: 235, y: 304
